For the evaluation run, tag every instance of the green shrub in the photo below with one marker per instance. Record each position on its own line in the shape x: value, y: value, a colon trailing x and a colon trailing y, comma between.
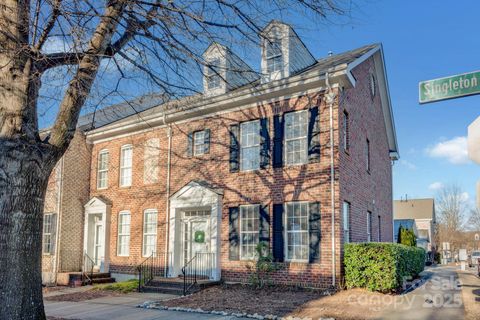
x: 380, y: 266
x: 407, y: 237
x: 123, y: 287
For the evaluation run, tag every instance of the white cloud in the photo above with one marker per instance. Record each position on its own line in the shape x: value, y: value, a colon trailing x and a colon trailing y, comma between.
x: 435, y: 186
x: 408, y: 164
x: 453, y: 150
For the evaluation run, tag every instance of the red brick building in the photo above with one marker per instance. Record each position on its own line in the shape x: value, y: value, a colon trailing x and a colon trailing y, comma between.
x: 297, y: 156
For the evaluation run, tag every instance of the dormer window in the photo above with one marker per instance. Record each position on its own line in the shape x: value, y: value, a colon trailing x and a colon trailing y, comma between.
x: 274, y: 55
x: 213, y: 75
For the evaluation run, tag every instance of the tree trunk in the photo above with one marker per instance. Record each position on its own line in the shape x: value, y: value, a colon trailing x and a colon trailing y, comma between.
x: 24, y: 171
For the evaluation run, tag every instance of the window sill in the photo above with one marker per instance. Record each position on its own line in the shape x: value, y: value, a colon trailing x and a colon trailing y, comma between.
x: 105, y: 188
x: 123, y: 255
x: 297, y: 261
x: 125, y: 187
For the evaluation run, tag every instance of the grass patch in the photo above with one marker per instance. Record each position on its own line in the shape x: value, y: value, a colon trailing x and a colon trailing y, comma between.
x: 122, y: 287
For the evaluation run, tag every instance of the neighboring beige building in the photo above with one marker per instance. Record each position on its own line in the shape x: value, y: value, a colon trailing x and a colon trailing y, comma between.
x: 67, y: 193
x: 422, y: 211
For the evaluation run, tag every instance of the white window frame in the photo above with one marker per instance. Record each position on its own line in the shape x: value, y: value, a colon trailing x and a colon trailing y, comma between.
x: 255, y: 233
x: 213, y: 74
x: 102, y: 171
x: 48, y: 219
x: 149, y: 234
x: 255, y: 144
x: 123, y: 235
x: 346, y: 212
x: 199, y: 142
x: 301, y: 138
x: 274, y: 58
x: 369, y: 226
x: 287, y: 232
x: 126, y: 170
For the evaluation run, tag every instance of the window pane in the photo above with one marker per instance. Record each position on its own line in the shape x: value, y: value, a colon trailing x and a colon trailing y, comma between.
x: 297, y: 231
x: 199, y: 142
x: 149, y: 232
x: 250, y: 145
x: 296, y: 137
x: 126, y: 166
x: 249, y: 228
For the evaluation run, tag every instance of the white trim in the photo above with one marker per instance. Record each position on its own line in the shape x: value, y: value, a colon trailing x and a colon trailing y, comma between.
x: 123, y: 213
x: 285, y: 231
x: 144, y: 233
x: 248, y: 232
x: 123, y: 167
x: 100, y: 154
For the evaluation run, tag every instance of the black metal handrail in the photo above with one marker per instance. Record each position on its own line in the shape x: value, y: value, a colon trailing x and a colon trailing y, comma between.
x: 189, y: 273
x: 156, y: 265
x: 87, y: 269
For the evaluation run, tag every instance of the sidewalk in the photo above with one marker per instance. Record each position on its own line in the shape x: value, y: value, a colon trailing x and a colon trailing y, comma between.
x: 470, y: 293
x: 122, y: 308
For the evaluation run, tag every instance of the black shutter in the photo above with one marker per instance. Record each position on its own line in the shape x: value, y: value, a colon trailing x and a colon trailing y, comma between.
x: 233, y: 233
x: 314, y: 231
x: 206, y: 141
x: 234, y: 148
x: 313, y: 136
x: 264, y: 227
x: 264, y: 144
x: 190, y: 145
x: 278, y: 141
x: 278, y: 240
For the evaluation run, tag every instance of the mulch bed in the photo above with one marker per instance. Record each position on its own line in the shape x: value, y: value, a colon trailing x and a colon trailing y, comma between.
x: 53, y: 288
x: 237, y: 298
x: 82, y: 296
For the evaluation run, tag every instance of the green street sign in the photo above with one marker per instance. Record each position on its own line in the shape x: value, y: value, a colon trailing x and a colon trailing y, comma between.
x: 449, y: 87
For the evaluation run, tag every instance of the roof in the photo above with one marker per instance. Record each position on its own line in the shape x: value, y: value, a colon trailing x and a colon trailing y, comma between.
x: 414, y: 209
x: 338, y: 65
x: 110, y: 114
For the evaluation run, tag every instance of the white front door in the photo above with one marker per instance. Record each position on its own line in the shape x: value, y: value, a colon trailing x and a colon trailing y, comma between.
x: 98, y: 244
x: 196, y: 239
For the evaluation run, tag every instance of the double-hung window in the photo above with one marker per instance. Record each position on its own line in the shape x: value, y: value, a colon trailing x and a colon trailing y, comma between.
x: 102, y: 175
x: 151, y: 159
x: 149, y: 232
x: 296, y: 131
x: 126, y: 154
x: 199, y: 143
x: 48, y: 233
x: 346, y: 221
x: 250, y: 145
x: 369, y: 226
x: 213, y: 74
x: 123, y: 248
x: 249, y: 231
x: 297, y: 238
x: 274, y: 54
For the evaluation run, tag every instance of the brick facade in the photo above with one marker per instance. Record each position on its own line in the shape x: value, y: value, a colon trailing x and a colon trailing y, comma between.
x: 310, y: 182
x: 67, y: 193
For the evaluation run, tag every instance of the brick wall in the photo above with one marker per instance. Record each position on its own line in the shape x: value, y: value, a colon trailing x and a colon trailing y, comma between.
x: 268, y: 186
x: 366, y: 191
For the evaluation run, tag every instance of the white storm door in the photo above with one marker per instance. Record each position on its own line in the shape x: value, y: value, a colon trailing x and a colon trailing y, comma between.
x: 98, y: 244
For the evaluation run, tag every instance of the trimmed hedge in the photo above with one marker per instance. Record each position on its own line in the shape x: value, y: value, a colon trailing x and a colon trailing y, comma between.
x: 380, y: 266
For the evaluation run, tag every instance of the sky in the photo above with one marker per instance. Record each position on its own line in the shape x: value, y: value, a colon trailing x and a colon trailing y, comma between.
x: 422, y: 40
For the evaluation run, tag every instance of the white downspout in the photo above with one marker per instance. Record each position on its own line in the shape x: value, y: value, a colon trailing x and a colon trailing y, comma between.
x: 167, y: 224
x: 330, y: 98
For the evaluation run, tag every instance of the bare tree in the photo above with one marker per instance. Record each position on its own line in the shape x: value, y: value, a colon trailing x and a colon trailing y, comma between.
x: 474, y: 219
x: 72, y: 40
x: 451, y: 206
